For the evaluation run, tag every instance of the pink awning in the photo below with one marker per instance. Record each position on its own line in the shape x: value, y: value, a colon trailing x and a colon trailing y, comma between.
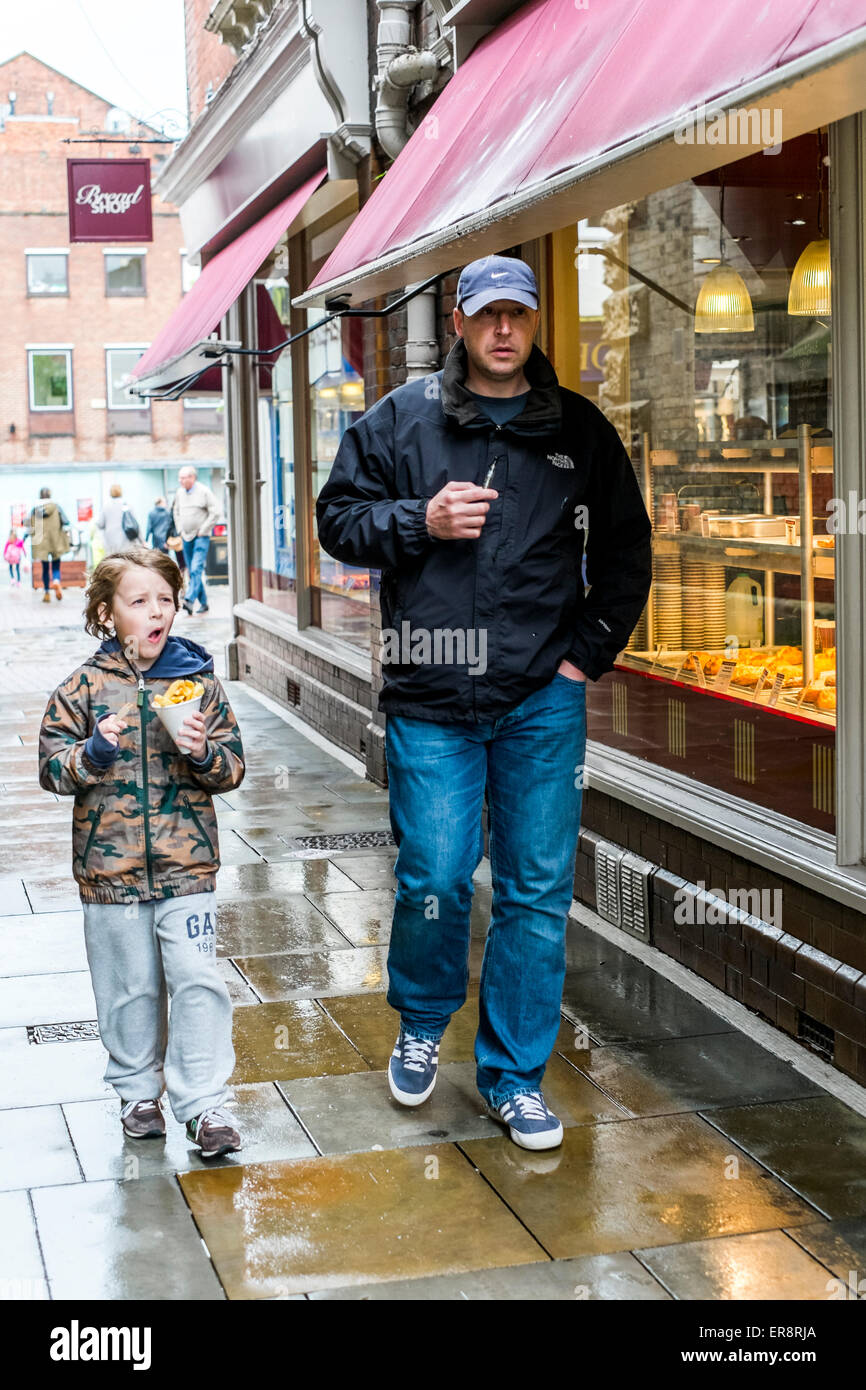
x: 559, y: 90
x: 222, y: 280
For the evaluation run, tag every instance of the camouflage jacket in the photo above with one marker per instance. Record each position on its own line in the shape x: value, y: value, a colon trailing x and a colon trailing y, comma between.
x: 145, y: 827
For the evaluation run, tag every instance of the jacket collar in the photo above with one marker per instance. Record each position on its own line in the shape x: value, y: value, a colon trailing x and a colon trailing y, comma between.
x: 179, y: 657
x: 541, y: 416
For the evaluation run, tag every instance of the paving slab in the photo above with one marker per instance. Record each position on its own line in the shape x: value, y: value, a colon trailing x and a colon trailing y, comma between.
x: 631, y: 1003
x: 316, y: 976
x: 35, y: 1149
x: 290, y: 1227
x: 271, y: 925
x: 278, y: 1042
x: 51, y: 892
x: 757, y: 1267
x: 239, y: 990
x: 296, y: 876
x: 596, y: 1277
x: 267, y: 1127
x: 661, y: 1077
x: 13, y: 898
x: 49, y: 943
x: 841, y: 1247
x: 23, y: 1276
x: 49, y: 1073
x: 635, y: 1183
x: 817, y: 1145
x: 122, y: 1240
x: 364, y: 917
x: 29, y: 999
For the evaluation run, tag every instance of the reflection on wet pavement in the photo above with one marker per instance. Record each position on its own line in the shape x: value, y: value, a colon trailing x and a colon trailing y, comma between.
x: 340, y: 1193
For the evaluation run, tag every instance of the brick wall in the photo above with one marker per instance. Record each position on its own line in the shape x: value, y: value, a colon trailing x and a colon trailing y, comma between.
x: 208, y: 61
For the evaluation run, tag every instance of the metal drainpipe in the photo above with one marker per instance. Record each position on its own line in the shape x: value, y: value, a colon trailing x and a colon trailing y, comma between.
x: 399, y: 67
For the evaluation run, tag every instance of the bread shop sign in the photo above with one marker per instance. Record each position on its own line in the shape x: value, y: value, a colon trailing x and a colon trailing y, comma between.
x: 109, y: 200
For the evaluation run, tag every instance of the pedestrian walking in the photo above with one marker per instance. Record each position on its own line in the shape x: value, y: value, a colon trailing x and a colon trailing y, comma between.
x: 144, y: 849
x: 159, y: 523
x: 118, y: 525
x: 50, y: 540
x: 13, y: 552
x: 195, y: 511
x: 472, y: 491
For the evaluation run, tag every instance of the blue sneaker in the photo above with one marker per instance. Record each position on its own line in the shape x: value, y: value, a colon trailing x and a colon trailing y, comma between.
x: 412, y: 1068
x: 530, y: 1123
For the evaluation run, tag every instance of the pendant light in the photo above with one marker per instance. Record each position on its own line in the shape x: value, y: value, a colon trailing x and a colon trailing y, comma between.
x: 724, y: 304
x: 809, y: 294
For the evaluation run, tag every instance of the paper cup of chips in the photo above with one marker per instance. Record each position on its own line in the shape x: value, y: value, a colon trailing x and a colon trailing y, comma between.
x: 181, y: 699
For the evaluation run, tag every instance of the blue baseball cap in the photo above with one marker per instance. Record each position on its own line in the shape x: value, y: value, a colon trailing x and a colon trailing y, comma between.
x: 496, y: 277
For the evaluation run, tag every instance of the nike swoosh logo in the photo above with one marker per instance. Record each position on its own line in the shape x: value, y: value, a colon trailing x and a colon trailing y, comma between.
x: 498, y: 274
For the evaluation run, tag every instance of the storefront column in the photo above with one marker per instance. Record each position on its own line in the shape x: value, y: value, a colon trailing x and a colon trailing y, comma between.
x: 848, y: 269
x: 242, y: 456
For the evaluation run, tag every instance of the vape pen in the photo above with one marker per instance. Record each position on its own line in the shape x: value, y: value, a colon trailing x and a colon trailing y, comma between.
x: 489, y: 473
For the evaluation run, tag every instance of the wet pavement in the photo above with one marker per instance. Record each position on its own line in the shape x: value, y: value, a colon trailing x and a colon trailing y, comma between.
x: 695, y: 1164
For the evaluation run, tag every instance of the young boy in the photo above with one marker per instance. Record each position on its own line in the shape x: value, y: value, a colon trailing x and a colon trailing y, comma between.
x: 145, y: 851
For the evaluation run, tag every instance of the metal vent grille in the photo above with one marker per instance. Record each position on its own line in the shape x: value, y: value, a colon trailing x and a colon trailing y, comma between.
x: 352, y: 839
x: 823, y: 778
x: 293, y: 692
x: 607, y: 896
x: 677, y: 728
x: 744, y: 751
x: 816, y: 1035
x: 635, y: 874
x: 63, y: 1032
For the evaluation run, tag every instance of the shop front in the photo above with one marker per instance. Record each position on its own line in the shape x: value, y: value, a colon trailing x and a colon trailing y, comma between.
x: 700, y: 252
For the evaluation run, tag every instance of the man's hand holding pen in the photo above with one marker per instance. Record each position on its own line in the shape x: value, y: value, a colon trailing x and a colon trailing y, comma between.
x: 459, y: 510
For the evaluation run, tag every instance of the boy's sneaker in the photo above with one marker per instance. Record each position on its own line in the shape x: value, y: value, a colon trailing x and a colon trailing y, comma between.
x: 530, y: 1123
x: 142, y: 1119
x: 214, y: 1132
x: 412, y: 1068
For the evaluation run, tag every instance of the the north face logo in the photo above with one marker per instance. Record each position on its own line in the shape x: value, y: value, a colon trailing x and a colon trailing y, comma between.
x: 560, y: 460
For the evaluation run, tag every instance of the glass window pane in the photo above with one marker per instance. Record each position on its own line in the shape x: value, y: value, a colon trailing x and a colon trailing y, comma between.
x: 124, y: 273
x: 50, y: 375
x: 336, y: 399
x: 119, y: 363
x: 275, y: 583
x: 47, y: 274
x: 718, y: 380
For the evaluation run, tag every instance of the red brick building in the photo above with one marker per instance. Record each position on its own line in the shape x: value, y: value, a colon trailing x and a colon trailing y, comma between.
x: 76, y: 317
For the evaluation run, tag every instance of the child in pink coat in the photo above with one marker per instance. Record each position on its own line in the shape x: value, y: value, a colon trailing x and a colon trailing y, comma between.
x: 13, y: 551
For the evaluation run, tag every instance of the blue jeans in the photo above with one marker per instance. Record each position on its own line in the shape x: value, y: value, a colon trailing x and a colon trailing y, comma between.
x: 195, y: 554
x: 531, y: 760
x: 50, y: 571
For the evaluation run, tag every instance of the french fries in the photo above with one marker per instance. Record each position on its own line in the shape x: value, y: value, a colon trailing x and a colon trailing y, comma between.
x: 178, y: 693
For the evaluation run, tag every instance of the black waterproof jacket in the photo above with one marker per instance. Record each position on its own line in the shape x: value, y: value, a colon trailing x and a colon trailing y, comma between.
x: 516, y: 593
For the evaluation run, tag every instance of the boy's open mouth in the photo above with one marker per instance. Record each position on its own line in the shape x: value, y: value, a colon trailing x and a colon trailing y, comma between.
x: 154, y: 635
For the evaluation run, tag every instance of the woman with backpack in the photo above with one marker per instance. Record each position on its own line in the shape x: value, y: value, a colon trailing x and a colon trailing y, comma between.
x: 50, y: 539
x: 117, y: 523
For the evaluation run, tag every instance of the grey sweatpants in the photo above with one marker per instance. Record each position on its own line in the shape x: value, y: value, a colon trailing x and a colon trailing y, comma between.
x: 139, y: 956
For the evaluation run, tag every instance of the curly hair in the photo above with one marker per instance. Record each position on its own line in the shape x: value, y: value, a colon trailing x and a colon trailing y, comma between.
x: 110, y: 571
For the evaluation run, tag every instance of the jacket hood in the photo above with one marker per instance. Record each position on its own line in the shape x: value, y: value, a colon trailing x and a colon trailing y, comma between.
x: 542, y: 414
x: 45, y: 507
x: 179, y: 657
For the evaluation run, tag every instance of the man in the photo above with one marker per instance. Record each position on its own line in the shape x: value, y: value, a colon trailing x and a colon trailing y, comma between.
x: 494, y: 571
x: 50, y: 539
x: 195, y: 510
x: 158, y: 525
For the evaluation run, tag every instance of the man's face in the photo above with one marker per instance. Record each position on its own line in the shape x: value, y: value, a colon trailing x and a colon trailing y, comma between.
x: 187, y: 480
x: 498, y: 338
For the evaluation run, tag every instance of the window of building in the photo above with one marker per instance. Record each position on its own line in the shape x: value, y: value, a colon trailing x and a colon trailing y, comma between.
x: 709, y: 351
x: 124, y: 273
x: 126, y: 414
x: 275, y: 583
x: 188, y: 273
x: 49, y: 372
x: 202, y: 414
x: 47, y: 272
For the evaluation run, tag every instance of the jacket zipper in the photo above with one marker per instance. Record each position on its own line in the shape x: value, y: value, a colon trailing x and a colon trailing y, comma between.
x: 145, y: 785
x: 186, y: 801
x: 497, y: 429
x: 93, y: 829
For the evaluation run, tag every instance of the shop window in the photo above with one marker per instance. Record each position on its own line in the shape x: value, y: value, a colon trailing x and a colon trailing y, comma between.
x: 124, y: 273
x: 47, y: 273
x: 50, y: 378
x: 340, y: 593
x: 699, y: 343
x: 188, y: 273
x: 125, y: 413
